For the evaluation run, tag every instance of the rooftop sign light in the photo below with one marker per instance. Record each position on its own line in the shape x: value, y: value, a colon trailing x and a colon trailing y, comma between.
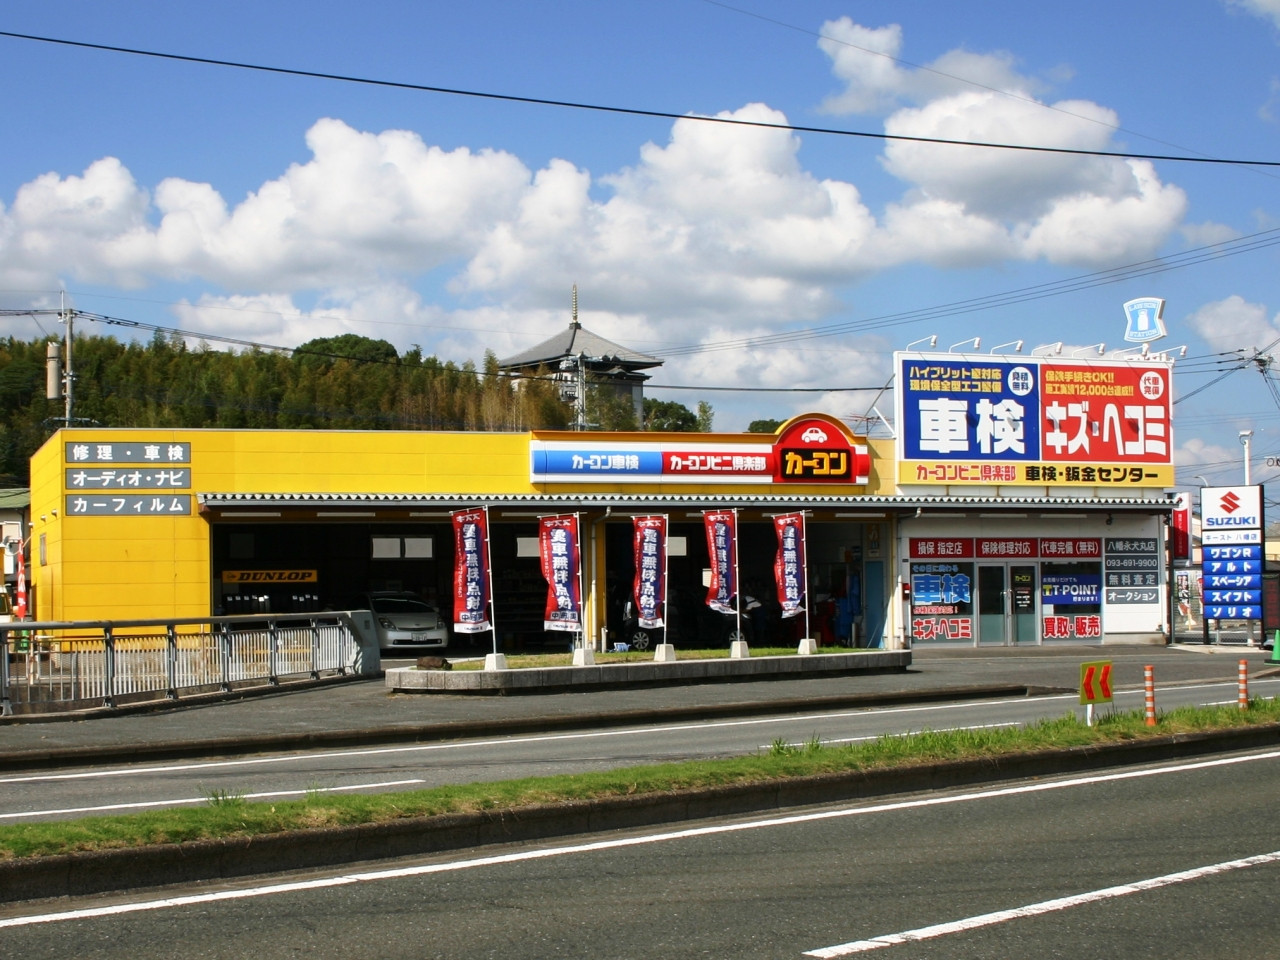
x: 1041, y: 421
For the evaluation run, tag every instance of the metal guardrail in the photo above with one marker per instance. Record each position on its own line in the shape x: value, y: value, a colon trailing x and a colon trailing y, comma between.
x: 56, y: 666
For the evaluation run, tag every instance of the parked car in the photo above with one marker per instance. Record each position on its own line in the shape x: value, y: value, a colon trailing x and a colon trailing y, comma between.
x: 405, y: 622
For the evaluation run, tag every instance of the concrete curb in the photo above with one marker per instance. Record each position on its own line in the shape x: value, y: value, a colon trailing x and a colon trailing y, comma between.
x: 604, y: 675
x: 51, y: 757
x: 83, y: 874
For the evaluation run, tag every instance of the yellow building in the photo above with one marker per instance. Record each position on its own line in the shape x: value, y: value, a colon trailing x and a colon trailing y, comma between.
x: 130, y: 524
x: 133, y: 523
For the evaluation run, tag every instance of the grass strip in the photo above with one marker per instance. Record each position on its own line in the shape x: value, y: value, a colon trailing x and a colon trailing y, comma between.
x: 228, y: 814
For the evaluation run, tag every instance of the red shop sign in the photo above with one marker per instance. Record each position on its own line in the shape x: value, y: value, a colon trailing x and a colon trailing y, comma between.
x: 1070, y: 548
x: 1007, y: 548
x: 941, y: 548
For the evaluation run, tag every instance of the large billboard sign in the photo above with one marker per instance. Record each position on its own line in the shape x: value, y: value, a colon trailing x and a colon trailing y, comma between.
x: 966, y: 420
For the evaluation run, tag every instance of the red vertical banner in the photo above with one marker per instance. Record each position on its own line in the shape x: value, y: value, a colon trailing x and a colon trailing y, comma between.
x: 20, y: 592
x: 722, y: 548
x: 1181, y: 527
x: 558, y: 545
x: 471, y: 571
x: 650, y: 586
x: 789, y: 567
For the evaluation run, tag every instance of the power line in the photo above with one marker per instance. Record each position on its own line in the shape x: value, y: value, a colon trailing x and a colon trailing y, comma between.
x: 629, y: 111
x: 1192, y: 257
x: 924, y: 68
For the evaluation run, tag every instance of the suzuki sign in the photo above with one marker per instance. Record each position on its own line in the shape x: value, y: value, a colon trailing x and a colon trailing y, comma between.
x: 1231, y: 508
x: 1232, y: 560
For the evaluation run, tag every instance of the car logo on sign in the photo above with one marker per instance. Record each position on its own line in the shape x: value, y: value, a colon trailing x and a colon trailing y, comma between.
x: 814, y: 435
x: 1230, y: 503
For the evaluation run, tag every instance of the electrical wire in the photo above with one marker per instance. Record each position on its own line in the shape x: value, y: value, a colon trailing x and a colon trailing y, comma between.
x: 629, y: 111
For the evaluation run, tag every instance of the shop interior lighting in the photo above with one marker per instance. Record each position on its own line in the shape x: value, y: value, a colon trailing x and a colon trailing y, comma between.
x: 1064, y: 516
x: 347, y: 513
x: 429, y: 514
x: 863, y: 514
x: 231, y: 515
x: 1002, y: 516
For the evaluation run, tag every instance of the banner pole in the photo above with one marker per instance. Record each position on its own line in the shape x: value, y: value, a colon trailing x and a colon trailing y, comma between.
x: 804, y: 538
x: 737, y: 580
x: 488, y: 567
x: 666, y: 565
x: 582, y: 596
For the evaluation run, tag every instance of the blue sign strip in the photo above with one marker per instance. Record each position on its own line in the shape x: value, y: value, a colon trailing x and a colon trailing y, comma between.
x: 598, y: 462
x: 1247, y: 581
x: 1219, y: 612
x: 1229, y: 597
x: 1213, y: 567
x: 1233, y: 551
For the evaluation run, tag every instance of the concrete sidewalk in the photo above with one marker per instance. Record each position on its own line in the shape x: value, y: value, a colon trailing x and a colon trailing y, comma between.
x: 362, y: 711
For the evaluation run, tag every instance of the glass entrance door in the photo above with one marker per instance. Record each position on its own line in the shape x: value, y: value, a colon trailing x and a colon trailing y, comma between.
x: 993, y: 606
x: 1007, y: 610
x: 1022, y: 582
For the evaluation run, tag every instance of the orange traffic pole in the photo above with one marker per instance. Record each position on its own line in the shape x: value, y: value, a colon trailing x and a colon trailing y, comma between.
x: 1149, y: 681
x: 1243, y: 698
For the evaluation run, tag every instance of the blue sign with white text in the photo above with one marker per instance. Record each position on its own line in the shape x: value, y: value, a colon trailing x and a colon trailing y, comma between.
x: 969, y: 410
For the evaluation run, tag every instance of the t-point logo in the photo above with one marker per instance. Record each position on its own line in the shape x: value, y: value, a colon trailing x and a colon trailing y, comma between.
x: 1230, y: 503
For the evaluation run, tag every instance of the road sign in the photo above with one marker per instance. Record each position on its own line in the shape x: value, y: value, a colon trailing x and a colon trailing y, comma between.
x: 1095, y: 682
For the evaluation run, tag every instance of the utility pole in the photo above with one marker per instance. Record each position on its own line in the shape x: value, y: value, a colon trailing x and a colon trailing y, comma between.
x: 59, y: 376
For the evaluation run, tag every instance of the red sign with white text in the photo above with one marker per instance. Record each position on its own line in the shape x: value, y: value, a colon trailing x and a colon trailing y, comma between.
x: 934, y: 548
x: 1110, y: 414
x: 1011, y: 548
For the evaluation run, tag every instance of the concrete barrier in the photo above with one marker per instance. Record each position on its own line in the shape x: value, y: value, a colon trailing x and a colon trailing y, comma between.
x: 595, y: 675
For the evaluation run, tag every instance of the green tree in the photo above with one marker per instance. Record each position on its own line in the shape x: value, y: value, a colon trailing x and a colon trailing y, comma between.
x: 705, y: 416
x: 609, y: 408
x: 669, y: 416
x: 325, y: 351
x: 764, y: 426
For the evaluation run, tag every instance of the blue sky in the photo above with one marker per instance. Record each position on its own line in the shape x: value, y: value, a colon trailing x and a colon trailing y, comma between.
x: 279, y: 208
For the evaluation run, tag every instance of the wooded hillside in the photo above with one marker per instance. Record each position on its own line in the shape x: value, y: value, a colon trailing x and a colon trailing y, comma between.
x: 340, y: 383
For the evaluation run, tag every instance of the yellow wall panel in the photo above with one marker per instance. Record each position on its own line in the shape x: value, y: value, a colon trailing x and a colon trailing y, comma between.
x: 155, y: 566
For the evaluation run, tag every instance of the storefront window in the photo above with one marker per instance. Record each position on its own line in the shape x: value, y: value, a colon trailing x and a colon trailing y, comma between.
x: 941, y: 601
x: 1071, y: 600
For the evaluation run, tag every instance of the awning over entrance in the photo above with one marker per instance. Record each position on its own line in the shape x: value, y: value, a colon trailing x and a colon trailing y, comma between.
x: 339, y: 505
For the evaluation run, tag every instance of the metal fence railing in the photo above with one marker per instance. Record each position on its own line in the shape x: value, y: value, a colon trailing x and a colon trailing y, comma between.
x: 1189, y: 625
x: 55, y: 666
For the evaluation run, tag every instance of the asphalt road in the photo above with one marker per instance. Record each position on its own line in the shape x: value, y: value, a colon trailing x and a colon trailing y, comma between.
x: 105, y: 789
x: 1141, y: 862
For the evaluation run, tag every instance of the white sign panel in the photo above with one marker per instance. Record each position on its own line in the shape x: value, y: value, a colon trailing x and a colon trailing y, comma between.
x: 1230, y: 508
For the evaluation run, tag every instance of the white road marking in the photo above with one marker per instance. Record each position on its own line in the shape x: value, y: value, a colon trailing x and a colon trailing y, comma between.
x: 546, y: 738
x: 191, y: 800
x: 499, y: 741
x: 400, y: 873
x: 1035, y: 909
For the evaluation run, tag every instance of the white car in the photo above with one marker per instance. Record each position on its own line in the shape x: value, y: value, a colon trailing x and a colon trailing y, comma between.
x: 406, y: 622
x: 814, y: 435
